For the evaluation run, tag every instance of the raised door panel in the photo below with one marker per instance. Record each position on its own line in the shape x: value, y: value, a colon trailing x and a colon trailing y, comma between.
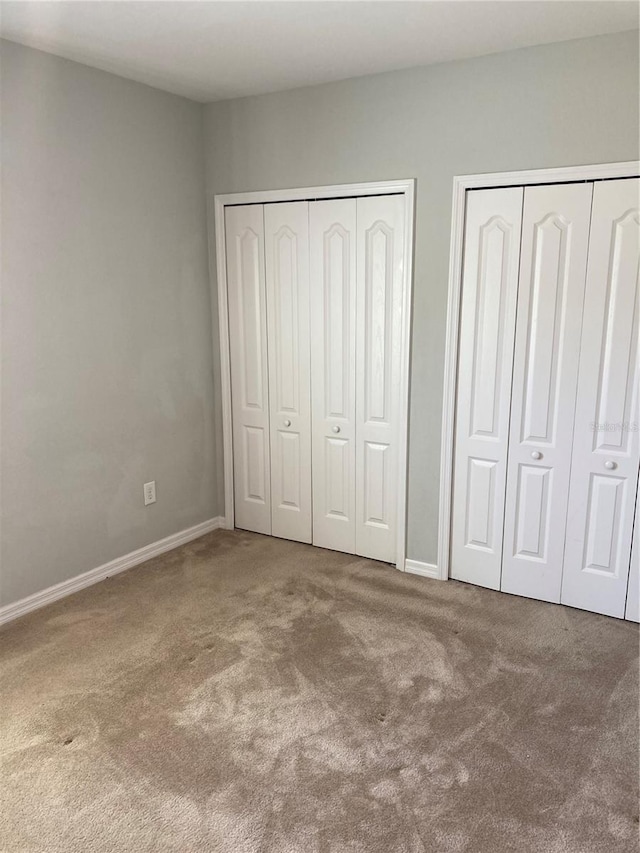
x: 287, y: 285
x: 555, y: 234
x: 632, y: 609
x: 332, y: 227
x: 606, y: 441
x: 249, y: 381
x: 487, y: 325
x: 380, y: 252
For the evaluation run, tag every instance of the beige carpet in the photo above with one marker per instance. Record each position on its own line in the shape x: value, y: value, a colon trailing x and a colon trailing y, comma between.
x: 249, y: 695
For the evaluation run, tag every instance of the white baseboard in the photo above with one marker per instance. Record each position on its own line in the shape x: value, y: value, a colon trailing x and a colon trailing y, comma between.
x: 113, y: 567
x: 427, y: 570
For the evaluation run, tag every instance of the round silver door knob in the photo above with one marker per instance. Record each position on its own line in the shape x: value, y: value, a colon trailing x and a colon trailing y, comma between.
x: 535, y: 454
x: 287, y: 422
x: 336, y: 429
x: 610, y: 465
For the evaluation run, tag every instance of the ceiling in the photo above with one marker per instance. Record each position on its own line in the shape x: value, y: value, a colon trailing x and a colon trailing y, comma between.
x: 209, y: 51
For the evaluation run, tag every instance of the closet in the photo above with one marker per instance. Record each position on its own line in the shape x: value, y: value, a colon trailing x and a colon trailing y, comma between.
x: 315, y: 295
x: 547, y: 441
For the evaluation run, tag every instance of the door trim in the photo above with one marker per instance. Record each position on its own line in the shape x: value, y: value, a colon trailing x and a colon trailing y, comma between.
x: 462, y: 183
x: 405, y: 188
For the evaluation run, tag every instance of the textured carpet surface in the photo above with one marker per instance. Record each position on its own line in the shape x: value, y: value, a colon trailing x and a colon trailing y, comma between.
x: 244, y: 694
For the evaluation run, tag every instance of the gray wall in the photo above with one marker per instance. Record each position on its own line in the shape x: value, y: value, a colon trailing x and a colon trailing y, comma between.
x: 107, y: 367
x: 563, y: 104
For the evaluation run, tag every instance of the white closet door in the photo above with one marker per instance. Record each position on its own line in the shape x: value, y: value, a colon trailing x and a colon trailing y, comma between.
x: 606, y: 446
x: 380, y: 252
x: 287, y: 274
x: 332, y: 227
x: 632, y: 609
x: 487, y: 328
x: 249, y: 380
x: 555, y: 233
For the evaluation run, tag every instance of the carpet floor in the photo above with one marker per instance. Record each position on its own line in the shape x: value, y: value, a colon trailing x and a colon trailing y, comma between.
x: 244, y: 694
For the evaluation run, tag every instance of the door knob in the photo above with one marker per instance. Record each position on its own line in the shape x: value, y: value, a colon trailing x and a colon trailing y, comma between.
x: 611, y: 465
x: 336, y: 429
x: 287, y: 422
x: 535, y: 454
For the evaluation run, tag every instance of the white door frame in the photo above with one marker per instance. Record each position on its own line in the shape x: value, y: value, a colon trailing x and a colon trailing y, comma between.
x: 462, y: 183
x: 403, y: 187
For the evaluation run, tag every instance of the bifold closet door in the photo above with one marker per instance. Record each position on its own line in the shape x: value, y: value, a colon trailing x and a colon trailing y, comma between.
x: 379, y: 310
x: 287, y: 286
x: 487, y: 325
x: 333, y: 371
x: 244, y: 228
x: 357, y: 251
x: 553, y: 260
x: 606, y: 441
